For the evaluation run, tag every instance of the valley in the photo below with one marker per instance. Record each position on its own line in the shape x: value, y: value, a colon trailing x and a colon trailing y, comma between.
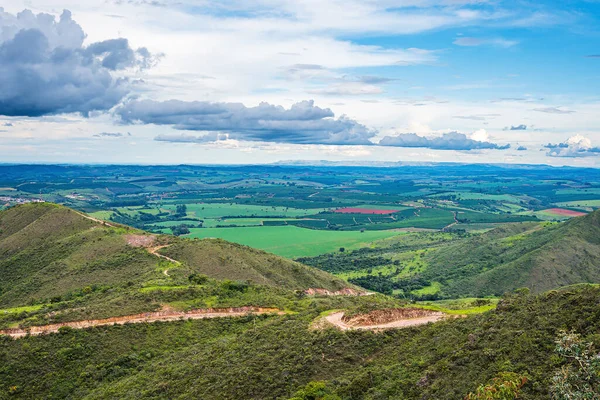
x: 394, y: 296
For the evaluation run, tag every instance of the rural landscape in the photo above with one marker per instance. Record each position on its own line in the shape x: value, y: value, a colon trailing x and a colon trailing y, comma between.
x: 287, y: 271
x: 299, y: 200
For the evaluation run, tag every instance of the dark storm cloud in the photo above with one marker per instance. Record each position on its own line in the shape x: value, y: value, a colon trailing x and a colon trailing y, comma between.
x: 448, y: 141
x: 303, y: 123
x: 45, y: 69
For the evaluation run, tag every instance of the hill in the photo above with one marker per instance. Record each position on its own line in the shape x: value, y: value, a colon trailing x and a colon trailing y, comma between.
x: 521, y: 255
x: 55, y: 258
x: 276, y: 357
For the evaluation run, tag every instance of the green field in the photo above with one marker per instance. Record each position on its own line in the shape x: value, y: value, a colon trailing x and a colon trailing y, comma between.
x: 219, y: 210
x: 291, y: 241
x: 479, y: 196
x: 580, y: 203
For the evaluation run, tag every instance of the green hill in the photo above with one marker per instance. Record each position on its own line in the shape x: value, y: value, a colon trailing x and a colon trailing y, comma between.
x: 274, y: 357
x: 55, y: 258
x: 522, y: 255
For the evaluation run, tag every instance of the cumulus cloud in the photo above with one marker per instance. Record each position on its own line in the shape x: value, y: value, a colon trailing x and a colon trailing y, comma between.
x: 553, y: 110
x: 303, y: 123
x: 575, y: 146
x: 521, y: 148
x: 45, y: 69
x: 448, y: 141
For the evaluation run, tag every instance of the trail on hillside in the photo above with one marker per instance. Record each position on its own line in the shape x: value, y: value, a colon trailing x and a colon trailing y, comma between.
x: 165, y: 315
x: 94, y: 219
x: 404, y: 318
x: 154, y: 251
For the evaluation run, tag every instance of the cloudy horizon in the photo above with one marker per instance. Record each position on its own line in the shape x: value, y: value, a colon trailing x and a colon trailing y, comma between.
x: 200, y: 82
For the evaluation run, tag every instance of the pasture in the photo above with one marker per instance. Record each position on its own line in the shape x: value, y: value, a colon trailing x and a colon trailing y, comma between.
x: 292, y: 241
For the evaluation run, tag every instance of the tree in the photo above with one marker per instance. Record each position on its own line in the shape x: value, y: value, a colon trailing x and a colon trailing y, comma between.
x: 198, y: 279
x: 579, y: 377
x: 181, y: 209
x: 505, y: 386
x: 180, y: 230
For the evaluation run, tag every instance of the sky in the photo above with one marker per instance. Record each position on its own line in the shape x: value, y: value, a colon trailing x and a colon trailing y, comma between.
x: 262, y: 81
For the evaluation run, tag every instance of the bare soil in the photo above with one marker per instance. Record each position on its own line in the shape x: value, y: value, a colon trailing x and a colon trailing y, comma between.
x: 166, y: 314
x: 385, y: 319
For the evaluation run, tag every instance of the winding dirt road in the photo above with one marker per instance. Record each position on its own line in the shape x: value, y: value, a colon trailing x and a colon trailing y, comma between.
x: 337, y: 320
x: 168, y: 315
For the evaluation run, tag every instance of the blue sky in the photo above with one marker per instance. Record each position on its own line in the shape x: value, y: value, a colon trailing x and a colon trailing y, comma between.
x: 195, y: 81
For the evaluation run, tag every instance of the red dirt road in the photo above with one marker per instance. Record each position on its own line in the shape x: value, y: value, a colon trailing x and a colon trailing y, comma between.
x: 351, y: 210
x: 337, y: 319
x: 167, y: 315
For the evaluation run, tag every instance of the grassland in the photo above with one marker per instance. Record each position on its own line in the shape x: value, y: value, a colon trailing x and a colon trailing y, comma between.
x: 291, y: 241
x: 71, y: 267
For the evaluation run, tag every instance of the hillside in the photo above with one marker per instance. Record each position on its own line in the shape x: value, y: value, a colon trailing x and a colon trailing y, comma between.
x: 274, y: 357
x: 540, y: 258
x: 54, y: 258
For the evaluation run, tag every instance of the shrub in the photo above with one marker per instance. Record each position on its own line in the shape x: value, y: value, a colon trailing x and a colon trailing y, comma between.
x: 579, y: 378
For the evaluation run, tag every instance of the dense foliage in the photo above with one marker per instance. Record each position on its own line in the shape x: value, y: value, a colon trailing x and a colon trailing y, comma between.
x: 279, y: 357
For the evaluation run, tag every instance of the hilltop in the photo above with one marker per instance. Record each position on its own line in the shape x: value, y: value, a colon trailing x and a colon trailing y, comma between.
x: 539, y: 257
x: 55, y: 258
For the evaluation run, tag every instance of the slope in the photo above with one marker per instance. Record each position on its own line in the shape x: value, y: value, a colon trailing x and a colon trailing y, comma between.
x: 260, y: 357
x: 56, y: 258
x: 526, y: 255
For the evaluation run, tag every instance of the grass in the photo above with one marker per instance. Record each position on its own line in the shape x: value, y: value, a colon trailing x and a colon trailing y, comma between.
x: 17, y: 310
x: 580, y: 203
x: 219, y: 210
x: 105, y: 215
x: 479, y: 196
x: 433, y: 289
x: 291, y: 241
x: 464, y: 306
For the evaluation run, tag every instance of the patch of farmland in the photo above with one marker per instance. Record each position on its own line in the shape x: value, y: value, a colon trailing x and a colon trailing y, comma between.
x: 355, y: 210
x: 291, y: 241
x: 563, y: 212
x: 221, y: 210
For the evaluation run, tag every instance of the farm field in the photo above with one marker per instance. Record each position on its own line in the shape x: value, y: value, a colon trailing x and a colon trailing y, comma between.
x: 220, y: 210
x: 292, y: 241
x: 580, y: 203
x: 323, y: 202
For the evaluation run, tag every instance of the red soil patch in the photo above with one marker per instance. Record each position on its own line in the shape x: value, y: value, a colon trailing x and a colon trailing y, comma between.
x: 351, y: 210
x: 342, y: 292
x: 564, y: 212
x: 140, y: 240
x: 167, y: 314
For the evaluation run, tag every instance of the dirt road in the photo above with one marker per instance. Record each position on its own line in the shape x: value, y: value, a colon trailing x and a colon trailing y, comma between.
x: 337, y: 320
x: 141, y: 318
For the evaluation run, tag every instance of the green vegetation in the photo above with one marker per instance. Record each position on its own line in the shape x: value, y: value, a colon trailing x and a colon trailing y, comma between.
x: 279, y: 357
x: 57, y: 265
x: 475, y: 250
x: 292, y: 241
